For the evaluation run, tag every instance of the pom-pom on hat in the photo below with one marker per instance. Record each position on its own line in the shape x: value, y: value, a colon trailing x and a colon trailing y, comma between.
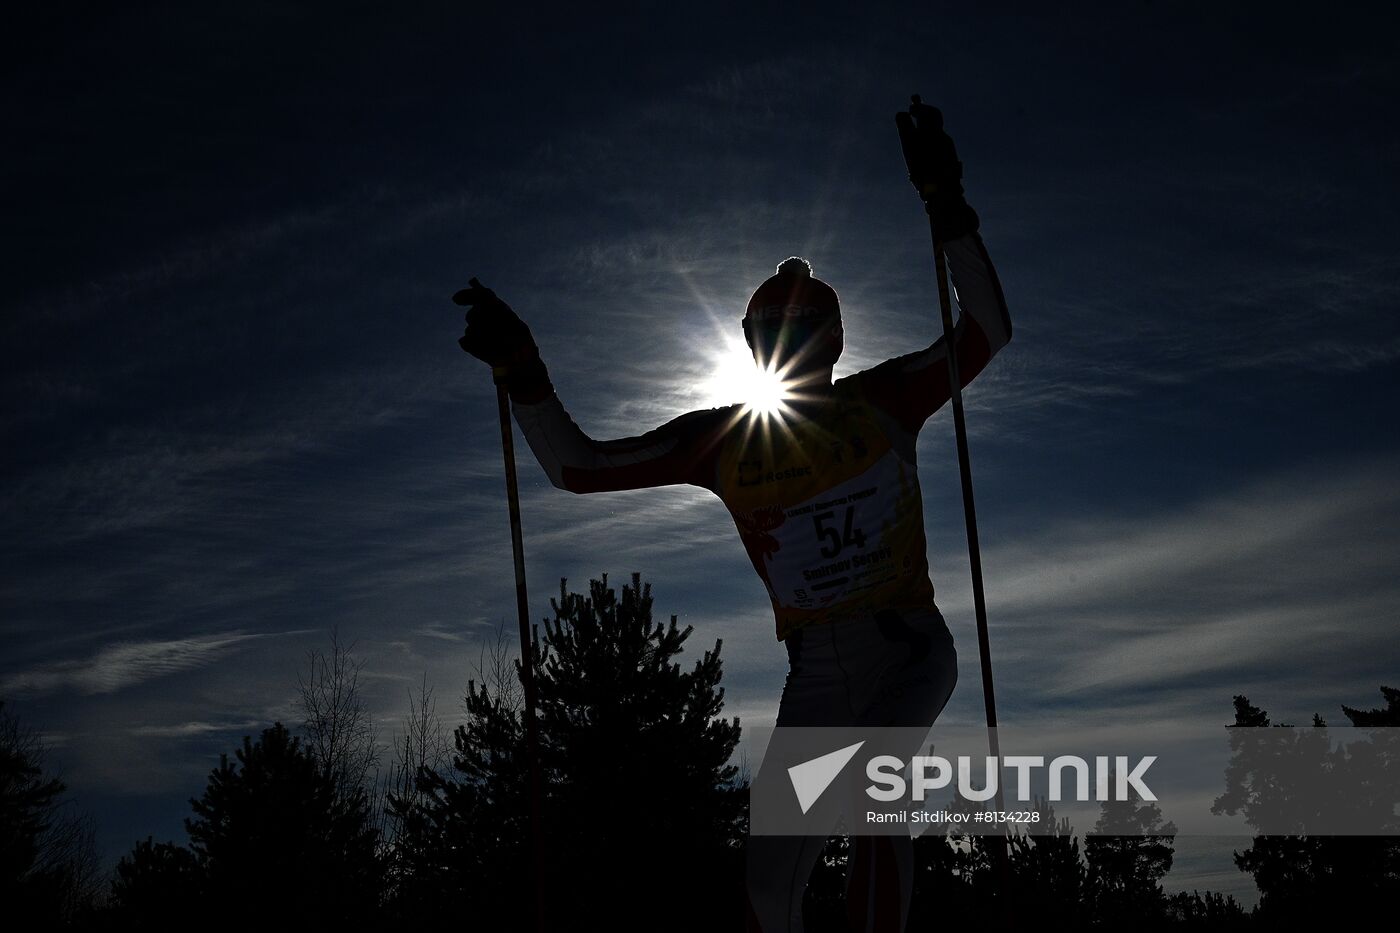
x: 790, y: 292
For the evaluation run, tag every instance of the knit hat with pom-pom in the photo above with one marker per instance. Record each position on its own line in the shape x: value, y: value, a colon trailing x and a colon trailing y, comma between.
x: 792, y: 292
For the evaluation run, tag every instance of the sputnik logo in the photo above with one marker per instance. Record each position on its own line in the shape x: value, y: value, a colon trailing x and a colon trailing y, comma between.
x: 811, y: 778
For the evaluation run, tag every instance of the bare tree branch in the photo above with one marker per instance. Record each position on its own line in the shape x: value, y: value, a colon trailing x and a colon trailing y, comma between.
x: 495, y: 669
x: 424, y: 744
x: 337, y: 725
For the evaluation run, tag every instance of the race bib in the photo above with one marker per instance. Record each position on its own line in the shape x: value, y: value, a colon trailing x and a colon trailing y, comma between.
x: 850, y: 538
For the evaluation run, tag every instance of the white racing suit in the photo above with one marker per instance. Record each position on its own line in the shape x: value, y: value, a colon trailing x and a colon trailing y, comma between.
x: 829, y: 510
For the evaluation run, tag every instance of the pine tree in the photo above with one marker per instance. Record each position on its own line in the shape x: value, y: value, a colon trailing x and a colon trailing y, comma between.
x: 47, y: 854
x: 1128, y: 852
x: 956, y: 879
x: 1047, y: 869
x: 1302, y: 878
x: 158, y: 885
x: 1210, y: 911
x: 644, y: 820
x: 273, y: 831
x: 277, y: 826
x: 1390, y: 716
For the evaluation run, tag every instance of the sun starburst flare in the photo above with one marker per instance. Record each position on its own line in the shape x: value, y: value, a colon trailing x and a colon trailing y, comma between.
x: 736, y: 378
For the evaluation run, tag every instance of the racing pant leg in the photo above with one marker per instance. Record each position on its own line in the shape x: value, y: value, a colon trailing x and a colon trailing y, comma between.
x: 778, y: 867
x: 894, y: 669
x: 880, y: 869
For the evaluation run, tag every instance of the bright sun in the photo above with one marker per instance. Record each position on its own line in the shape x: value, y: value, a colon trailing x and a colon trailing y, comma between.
x: 735, y: 378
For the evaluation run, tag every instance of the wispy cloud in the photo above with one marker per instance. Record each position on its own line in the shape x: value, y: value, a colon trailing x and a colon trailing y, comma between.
x: 1286, y: 581
x: 126, y: 664
x: 196, y: 728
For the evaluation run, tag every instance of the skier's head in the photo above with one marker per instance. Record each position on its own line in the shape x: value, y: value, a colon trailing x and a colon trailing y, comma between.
x: 793, y: 321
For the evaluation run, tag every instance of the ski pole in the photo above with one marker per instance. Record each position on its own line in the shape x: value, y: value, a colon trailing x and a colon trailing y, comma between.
x: 979, y: 599
x: 470, y: 296
x: 527, y: 666
x: 908, y: 139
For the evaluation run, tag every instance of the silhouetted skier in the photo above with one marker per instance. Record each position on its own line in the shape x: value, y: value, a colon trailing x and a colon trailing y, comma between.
x: 826, y: 500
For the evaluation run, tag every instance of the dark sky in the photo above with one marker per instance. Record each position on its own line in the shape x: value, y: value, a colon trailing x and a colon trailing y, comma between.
x: 236, y: 414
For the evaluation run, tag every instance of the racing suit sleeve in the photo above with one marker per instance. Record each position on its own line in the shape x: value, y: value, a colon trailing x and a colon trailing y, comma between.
x: 914, y: 386
x: 683, y: 450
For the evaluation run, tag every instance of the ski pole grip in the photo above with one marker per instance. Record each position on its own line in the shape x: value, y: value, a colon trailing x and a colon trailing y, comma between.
x: 909, y: 142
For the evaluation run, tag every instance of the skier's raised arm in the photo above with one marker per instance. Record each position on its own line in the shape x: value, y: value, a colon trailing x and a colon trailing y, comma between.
x: 912, y: 387
x: 679, y: 451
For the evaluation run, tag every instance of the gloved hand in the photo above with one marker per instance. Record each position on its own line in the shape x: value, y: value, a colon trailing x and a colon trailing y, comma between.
x: 934, y: 169
x: 498, y: 337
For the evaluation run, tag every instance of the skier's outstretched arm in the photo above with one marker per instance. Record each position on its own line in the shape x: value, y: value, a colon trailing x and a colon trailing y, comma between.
x: 680, y: 451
